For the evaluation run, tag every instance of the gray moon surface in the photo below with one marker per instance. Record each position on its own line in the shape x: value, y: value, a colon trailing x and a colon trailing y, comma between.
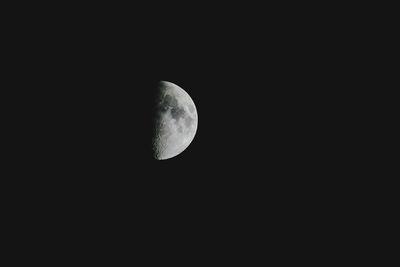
x: 175, y: 123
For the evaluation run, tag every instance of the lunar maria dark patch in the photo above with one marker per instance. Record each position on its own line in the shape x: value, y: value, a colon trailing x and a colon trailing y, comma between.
x: 177, y: 113
x: 165, y: 103
x: 170, y: 102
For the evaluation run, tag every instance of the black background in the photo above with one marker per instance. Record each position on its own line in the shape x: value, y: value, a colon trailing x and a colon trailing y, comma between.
x: 262, y: 161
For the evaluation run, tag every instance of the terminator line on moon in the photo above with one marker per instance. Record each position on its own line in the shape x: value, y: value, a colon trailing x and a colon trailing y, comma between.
x: 175, y: 123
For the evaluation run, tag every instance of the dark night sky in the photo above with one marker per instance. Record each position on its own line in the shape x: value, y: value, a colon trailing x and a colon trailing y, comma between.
x: 253, y: 79
x: 259, y: 82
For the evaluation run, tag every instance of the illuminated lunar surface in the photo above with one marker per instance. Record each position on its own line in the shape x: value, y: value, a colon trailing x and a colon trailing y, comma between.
x: 176, y: 121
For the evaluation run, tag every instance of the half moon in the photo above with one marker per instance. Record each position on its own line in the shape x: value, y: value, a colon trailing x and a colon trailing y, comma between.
x: 175, y: 123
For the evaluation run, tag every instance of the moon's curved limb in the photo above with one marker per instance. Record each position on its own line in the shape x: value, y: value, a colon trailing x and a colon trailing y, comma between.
x: 176, y: 123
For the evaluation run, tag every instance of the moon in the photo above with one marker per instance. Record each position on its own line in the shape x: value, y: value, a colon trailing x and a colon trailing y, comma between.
x: 175, y: 123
